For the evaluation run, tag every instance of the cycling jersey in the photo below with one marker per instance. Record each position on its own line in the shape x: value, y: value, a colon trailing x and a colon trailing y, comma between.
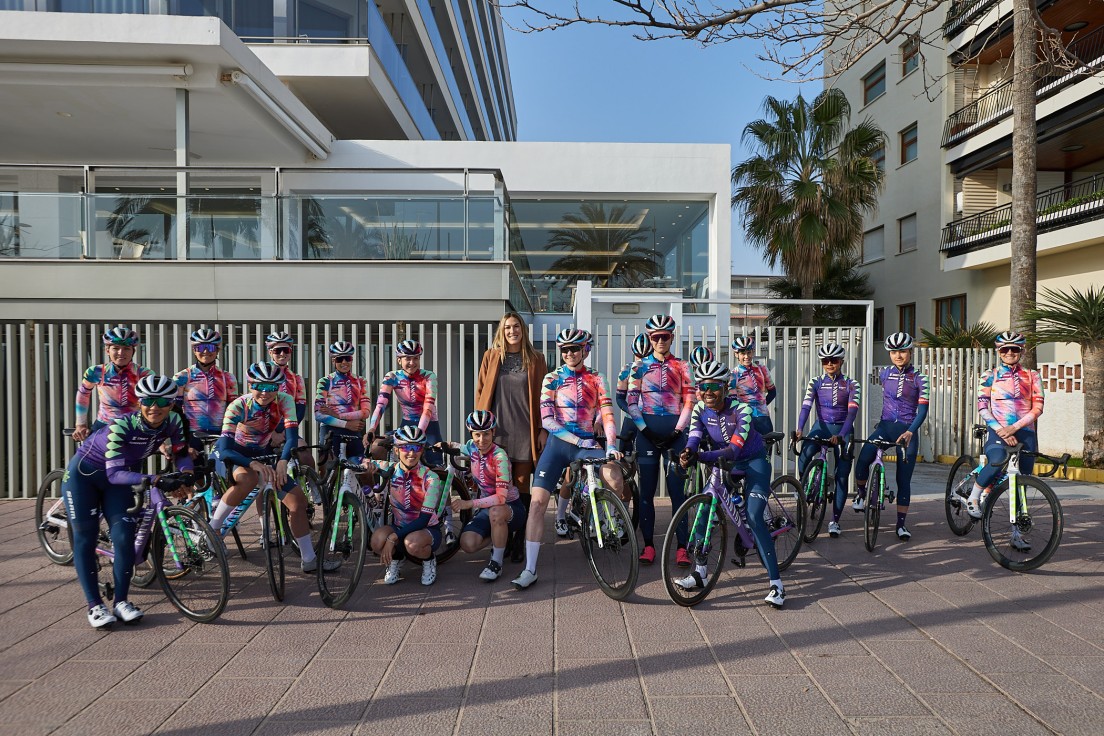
x: 115, y: 387
x: 905, y: 396
x: 128, y: 441
x: 251, y: 425
x: 1010, y: 396
x: 413, y: 493
x: 205, y: 394
x: 492, y: 475
x: 416, y: 393
x: 294, y: 387
x: 752, y: 385
x: 571, y: 402
x: 837, y: 401
x: 343, y: 392
x: 661, y: 387
x: 622, y: 390
x: 727, y: 432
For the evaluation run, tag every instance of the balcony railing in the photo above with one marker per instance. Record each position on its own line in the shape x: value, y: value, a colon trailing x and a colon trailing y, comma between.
x: 996, y: 104
x: 1062, y: 206
x: 962, y: 13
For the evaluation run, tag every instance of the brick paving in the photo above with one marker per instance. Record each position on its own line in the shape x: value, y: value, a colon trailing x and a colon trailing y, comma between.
x: 929, y: 637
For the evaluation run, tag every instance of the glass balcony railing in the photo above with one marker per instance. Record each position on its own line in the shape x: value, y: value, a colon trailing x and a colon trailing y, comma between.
x: 41, y: 225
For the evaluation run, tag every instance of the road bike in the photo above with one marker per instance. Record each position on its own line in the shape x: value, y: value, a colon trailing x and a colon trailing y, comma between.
x: 817, y: 484
x: 878, y: 493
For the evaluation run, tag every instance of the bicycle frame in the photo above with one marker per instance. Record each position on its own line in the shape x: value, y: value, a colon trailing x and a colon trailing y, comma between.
x: 713, y: 487
x: 154, y: 506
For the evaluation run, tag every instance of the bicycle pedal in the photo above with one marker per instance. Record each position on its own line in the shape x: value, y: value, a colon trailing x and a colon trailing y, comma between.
x: 739, y: 562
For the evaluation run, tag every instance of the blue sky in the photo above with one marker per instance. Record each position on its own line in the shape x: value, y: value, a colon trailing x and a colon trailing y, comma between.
x: 601, y: 84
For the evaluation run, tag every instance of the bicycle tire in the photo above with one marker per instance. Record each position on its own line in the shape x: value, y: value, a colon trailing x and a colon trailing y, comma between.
x: 711, y: 555
x: 56, y: 541
x: 1047, y: 509
x: 452, y: 524
x: 616, y: 563
x: 350, y: 545
x: 204, y: 571
x: 787, y: 509
x: 873, y: 516
x: 817, y: 502
x: 309, y: 483
x: 959, y: 522
x: 272, y: 541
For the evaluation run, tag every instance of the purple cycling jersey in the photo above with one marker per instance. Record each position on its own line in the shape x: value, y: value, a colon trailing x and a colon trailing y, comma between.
x: 726, y: 433
x: 128, y: 441
x: 905, y: 391
x: 836, y: 400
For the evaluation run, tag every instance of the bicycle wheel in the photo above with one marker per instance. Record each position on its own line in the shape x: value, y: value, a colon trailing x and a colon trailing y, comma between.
x: 1037, y: 532
x: 614, y: 563
x: 344, y: 538
x: 959, y: 484
x: 191, y: 565
x: 272, y: 541
x: 707, y: 540
x: 814, y: 484
x: 452, y: 524
x: 786, y: 506
x: 873, y: 516
x: 313, y: 488
x: 52, y: 520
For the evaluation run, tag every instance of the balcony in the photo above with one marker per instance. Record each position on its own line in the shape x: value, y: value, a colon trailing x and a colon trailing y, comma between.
x: 964, y: 12
x: 1064, y: 206
x: 996, y: 104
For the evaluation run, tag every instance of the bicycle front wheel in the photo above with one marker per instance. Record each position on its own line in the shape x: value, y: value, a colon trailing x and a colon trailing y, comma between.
x: 452, y: 523
x: 272, y: 542
x: 959, y: 484
x: 191, y: 565
x: 1030, y: 541
x: 614, y: 559
x: 814, y: 485
x: 706, y: 542
x: 873, y: 516
x: 52, y: 520
x: 344, y: 539
x: 786, y: 506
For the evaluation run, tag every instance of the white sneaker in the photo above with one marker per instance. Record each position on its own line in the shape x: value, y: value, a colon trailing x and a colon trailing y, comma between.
x: 858, y: 504
x: 693, y: 581
x: 127, y: 612
x: 100, y: 617
x: 429, y: 571
x: 833, y: 529
x: 903, y: 534
x: 491, y: 571
x: 1019, y: 543
x: 776, y: 597
x: 561, y: 527
x: 525, y: 579
x: 329, y: 565
x: 392, y: 575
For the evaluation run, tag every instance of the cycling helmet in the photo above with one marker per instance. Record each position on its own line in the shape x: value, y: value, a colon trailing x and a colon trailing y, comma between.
x: 155, y: 387
x: 899, y: 341
x: 571, y: 336
x: 1010, y: 337
x: 711, y: 370
x: 410, y: 435
x: 408, y: 349
x: 121, y: 335
x: 278, y: 338
x: 830, y: 350
x: 743, y: 343
x: 480, y: 421
x: 205, y: 336
x: 640, y: 346
x: 660, y: 323
x: 341, y: 348
x: 265, y: 372
x: 701, y: 355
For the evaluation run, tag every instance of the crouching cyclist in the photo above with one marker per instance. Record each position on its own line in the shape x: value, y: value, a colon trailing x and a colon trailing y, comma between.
x: 98, y: 482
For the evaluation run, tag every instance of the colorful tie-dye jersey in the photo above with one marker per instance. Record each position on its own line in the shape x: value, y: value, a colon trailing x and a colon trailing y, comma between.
x: 1010, y: 396
x: 622, y: 390
x: 726, y: 433
x: 294, y: 386
x: 492, y: 475
x: 661, y: 388
x: 115, y: 388
x: 128, y: 441
x: 252, y: 425
x: 416, y: 393
x: 346, y: 394
x: 904, y: 392
x: 837, y: 401
x: 413, y: 492
x: 205, y: 394
x: 571, y: 402
x: 751, y: 384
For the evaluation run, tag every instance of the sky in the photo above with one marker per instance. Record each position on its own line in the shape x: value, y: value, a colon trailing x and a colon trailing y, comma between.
x: 589, y: 83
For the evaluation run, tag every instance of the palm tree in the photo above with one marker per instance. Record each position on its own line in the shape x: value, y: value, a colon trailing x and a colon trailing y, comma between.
x: 842, y: 280
x: 806, y: 189
x: 601, y: 243
x: 955, y: 334
x: 1075, y: 316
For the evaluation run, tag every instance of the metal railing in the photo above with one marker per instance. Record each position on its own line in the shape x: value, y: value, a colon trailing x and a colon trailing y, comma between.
x: 962, y: 13
x: 1058, y: 207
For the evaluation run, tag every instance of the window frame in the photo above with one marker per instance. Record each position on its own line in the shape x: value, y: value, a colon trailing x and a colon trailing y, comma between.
x: 878, y: 157
x: 879, y: 323
x: 914, y: 141
x: 947, y: 301
x: 901, y: 322
x: 868, y: 84
x: 862, y: 247
x: 915, y: 234
x: 910, y: 54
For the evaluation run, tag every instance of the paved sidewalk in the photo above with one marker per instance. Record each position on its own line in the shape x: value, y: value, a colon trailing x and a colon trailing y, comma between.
x: 929, y: 637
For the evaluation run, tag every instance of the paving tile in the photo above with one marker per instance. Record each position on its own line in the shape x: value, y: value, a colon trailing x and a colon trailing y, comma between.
x: 704, y: 715
x: 521, y: 658
x: 604, y: 728
x: 860, y: 686
x: 1061, y: 703
x: 928, y: 668
x: 984, y: 715
x: 331, y: 690
x: 787, y: 704
x: 7, y: 687
x: 67, y: 689
x: 283, y: 727
x: 227, y: 706
x: 589, y: 688
x: 120, y: 717
x: 402, y: 714
x: 899, y: 726
x: 678, y: 669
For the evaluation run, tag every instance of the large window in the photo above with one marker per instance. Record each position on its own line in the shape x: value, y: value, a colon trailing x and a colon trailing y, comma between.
x: 910, y: 144
x: 878, y: 157
x: 906, y: 318
x: 874, y: 84
x: 873, y: 248
x: 906, y: 234
x: 950, y: 309
x: 879, y: 323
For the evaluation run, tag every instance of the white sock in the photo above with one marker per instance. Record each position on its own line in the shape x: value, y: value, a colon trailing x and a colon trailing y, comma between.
x: 777, y: 583
x: 497, y: 554
x: 975, y: 493
x: 306, y: 549
x: 219, y: 516
x: 532, y: 551
x: 561, y: 507
x: 702, y: 570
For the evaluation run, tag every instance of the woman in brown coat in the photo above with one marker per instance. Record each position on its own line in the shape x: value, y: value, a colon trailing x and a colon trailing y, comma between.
x: 509, y: 384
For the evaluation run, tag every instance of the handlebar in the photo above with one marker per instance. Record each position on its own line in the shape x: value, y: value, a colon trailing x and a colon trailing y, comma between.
x: 166, y: 482
x: 795, y: 441
x: 577, y: 465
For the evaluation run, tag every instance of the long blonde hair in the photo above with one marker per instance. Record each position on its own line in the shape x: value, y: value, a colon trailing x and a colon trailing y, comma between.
x: 528, y: 352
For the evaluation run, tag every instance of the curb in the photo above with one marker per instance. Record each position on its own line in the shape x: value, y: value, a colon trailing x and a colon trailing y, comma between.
x: 1084, y: 475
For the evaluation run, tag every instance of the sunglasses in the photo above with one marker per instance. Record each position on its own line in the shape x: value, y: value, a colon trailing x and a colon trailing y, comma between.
x: 1010, y: 349
x: 571, y: 349
x: 660, y: 336
x: 161, y: 402
x: 710, y: 386
x: 343, y: 359
x: 826, y: 361
x: 266, y: 388
x: 280, y: 351
x: 206, y: 348
x: 410, y: 448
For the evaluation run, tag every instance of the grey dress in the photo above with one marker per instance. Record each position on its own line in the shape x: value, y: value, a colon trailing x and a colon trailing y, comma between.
x: 511, y: 407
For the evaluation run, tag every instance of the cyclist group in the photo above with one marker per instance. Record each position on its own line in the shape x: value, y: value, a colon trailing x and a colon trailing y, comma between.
x: 676, y: 413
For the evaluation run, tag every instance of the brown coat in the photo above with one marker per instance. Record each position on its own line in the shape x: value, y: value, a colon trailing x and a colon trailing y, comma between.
x: 485, y: 387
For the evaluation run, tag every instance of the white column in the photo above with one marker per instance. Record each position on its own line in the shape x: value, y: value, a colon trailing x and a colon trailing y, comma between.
x: 183, y: 144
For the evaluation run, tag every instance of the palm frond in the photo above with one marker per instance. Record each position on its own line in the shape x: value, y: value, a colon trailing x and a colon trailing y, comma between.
x: 1068, y: 316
